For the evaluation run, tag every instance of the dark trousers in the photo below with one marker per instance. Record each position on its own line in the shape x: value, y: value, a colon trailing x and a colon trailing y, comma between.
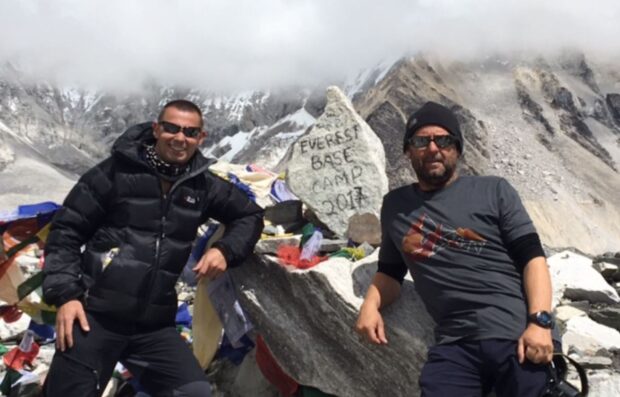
x: 474, y: 368
x: 159, y: 358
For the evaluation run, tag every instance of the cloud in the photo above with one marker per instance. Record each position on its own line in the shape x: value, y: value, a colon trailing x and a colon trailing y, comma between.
x: 230, y: 45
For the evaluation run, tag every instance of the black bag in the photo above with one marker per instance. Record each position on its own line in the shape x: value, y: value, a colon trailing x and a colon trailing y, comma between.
x: 558, y: 386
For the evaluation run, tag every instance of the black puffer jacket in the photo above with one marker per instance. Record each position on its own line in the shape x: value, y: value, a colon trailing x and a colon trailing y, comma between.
x: 137, y: 239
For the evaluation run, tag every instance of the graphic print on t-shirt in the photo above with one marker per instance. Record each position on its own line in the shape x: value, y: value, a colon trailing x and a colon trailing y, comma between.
x: 426, y: 237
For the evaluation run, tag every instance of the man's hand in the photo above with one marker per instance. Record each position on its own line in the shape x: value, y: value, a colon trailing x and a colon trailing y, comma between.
x: 370, y: 325
x: 65, y: 317
x: 536, y: 345
x: 211, y: 265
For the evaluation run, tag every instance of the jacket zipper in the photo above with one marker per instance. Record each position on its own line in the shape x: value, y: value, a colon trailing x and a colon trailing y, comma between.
x: 162, y: 234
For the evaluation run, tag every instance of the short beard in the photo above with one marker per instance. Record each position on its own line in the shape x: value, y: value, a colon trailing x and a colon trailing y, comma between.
x: 433, y: 179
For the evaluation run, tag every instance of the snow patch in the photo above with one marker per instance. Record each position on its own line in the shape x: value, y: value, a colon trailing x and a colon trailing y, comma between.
x: 237, y: 142
x: 363, y: 80
x: 300, y: 118
x: 44, y: 183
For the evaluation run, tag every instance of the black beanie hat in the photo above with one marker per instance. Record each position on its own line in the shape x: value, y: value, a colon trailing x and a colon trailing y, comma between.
x: 434, y: 114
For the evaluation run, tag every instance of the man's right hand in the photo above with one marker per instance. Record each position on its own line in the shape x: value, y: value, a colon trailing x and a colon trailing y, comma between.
x: 65, y: 317
x: 370, y: 325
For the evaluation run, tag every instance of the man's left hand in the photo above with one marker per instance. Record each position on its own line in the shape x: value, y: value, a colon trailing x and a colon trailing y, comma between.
x: 211, y: 265
x: 536, y: 345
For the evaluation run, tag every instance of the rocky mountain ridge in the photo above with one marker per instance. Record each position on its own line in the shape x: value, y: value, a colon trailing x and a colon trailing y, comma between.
x: 551, y: 126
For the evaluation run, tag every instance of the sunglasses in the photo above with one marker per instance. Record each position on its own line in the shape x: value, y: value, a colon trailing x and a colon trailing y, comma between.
x: 442, y: 141
x: 171, y: 128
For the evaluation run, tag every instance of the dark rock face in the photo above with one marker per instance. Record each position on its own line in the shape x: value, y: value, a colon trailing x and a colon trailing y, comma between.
x: 571, y: 115
x: 532, y: 110
x: 609, y: 316
x: 576, y: 64
x: 613, y: 102
x: 388, y: 123
x: 315, y: 104
x: 577, y: 129
x: 609, y: 257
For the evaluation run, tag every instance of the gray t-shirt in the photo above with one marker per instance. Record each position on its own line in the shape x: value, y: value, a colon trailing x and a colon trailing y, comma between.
x: 454, y: 243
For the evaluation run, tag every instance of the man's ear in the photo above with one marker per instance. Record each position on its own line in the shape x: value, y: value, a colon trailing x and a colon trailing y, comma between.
x: 201, y: 137
x: 408, y: 153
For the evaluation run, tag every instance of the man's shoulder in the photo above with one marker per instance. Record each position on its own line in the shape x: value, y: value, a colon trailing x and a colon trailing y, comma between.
x: 483, y: 179
x: 105, y: 166
x: 398, y: 193
x: 491, y: 184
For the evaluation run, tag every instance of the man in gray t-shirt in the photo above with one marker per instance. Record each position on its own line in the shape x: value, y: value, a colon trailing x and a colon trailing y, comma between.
x: 477, y: 264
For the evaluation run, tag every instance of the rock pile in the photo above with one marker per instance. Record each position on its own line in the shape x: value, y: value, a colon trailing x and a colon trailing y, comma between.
x: 585, y: 293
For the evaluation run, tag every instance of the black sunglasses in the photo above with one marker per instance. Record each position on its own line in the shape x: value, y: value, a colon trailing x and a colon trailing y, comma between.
x: 442, y: 141
x: 171, y: 128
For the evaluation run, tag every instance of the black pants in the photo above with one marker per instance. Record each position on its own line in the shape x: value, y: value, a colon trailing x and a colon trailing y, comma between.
x: 474, y: 368
x: 160, y: 359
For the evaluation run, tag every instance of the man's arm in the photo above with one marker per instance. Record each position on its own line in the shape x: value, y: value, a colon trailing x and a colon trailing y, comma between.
x: 385, y: 286
x: 535, y: 343
x: 64, y: 283
x: 244, y: 223
x: 383, y: 290
x: 525, y: 249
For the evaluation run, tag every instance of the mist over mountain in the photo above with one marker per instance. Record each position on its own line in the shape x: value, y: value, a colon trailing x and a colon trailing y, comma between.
x: 229, y: 46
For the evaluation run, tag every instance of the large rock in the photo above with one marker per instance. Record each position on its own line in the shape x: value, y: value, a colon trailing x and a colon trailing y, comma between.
x: 574, y: 278
x: 338, y: 167
x: 604, y: 384
x: 307, y: 320
x: 565, y: 312
x: 365, y: 227
x: 588, y: 337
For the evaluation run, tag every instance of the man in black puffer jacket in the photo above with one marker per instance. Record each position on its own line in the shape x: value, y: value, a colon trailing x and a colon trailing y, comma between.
x: 117, y: 247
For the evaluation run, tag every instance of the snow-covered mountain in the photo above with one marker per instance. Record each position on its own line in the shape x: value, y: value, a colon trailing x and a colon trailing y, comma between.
x: 550, y: 125
x: 68, y: 130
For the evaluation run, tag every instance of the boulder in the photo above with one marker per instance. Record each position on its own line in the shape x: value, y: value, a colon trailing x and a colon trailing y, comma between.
x: 604, y: 384
x: 588, y: 337
x: 338, y: 167
x: 307, y: 319
x: 595, y: 362
x: 606, y: 269
x: 566, y: 312
x: 574, y: 278
x: 365, y: 228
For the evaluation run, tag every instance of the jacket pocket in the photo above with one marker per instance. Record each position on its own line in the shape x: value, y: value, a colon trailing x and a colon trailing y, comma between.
x: 95, y: 263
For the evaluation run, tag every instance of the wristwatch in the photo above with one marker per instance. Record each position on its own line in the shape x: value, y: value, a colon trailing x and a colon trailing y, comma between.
x: 543, y: 319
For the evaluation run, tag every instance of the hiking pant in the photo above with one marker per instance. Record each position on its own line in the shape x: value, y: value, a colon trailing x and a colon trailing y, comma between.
x: 474, y: 368
x: 159, y: 358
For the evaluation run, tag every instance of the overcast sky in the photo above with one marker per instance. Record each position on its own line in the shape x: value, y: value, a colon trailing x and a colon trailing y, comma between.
x: 228, y: 45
